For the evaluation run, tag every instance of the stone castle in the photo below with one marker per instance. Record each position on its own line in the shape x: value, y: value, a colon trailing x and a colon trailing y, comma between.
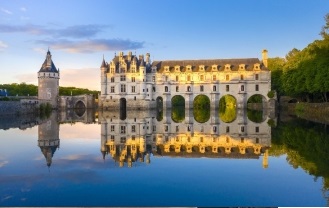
x: 132, y: 82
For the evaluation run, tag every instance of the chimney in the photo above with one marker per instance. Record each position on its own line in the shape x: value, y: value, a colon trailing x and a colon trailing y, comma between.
x: 129, y: 55
x: 264, y: 57
x: 148, y: 58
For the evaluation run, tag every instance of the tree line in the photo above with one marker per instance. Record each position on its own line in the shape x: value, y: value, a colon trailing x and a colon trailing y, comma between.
x: 24, y: 89
x: 304, y: 74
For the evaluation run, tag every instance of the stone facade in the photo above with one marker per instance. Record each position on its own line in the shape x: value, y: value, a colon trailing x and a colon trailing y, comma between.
x: 139, y: 83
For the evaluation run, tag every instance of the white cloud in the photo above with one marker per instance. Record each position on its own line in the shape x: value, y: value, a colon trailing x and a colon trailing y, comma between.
x: 3, y: 163
x: 23, y: 9
x: 3, y: 45
x: 6, y: 11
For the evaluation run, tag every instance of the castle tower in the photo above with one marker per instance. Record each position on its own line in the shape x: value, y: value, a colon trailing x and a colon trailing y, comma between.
x: 48, y: 82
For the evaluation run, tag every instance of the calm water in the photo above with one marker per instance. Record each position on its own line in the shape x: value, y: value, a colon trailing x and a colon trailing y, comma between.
x: 162, y: 159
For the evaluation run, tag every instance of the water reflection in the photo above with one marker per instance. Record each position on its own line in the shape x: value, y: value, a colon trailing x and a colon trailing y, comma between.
x: 142, y: 133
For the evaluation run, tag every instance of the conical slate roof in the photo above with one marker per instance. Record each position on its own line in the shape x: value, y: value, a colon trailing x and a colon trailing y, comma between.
x: 48, y: 65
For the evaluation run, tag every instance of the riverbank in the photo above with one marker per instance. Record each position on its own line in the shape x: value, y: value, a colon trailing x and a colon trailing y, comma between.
x: 316, y: 112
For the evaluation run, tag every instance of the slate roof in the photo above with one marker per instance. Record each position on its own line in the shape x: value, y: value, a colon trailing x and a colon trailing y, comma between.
x: 249, y: 64
x: 128, y: 60
x: 51, y: 68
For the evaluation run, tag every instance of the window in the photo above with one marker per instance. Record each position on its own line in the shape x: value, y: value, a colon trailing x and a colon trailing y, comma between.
x: 166, y: 78
x: 242, y: 140
x: 201, y: 88
x: 256, y: 76
x: 214, y: 78
x: 227, y: 88
x: 112, y: 70
x: 242, y: 87
x: 201, y: 139
x: 201, y: 77
x: 227, y: 129
x: 257, y: 140
x: 242, y: 128
x: 154, y: 128
x: 227, y: 140
x: 177, y: 128
x: 227, y: 77
x: 112, y: 128
x: 188, y: 139
x: 133, y: 79
x: 112, y: 138
x: 112, y: 79
x: 123, y: 88
x: 188, y: 78
x: 153, y: 78
x: 112, y: 89
x: 177, y: 78
x: 134, y: 97
x: 256, y: 87
x: 188, y: 89
x: 133, y: 128
x: 214, y: 128
x: 123, y: 139
x: 123, y: 129
x: 123, y: 78
x: 241, y: 76
x: 166, y: 128
x: 214, y: 88
x: 133, y: 137
x: 166, y: 89
x: 133, y: 88
x: 177, y: 89
x: 257, y: 129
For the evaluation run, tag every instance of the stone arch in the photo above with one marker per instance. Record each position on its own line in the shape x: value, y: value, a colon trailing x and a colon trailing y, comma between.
x: 257, y: 105
x: 178, y: 108
x: 159, y: 103
x: 201, y: 108
x: 79, y: 104
x: 228, y: 108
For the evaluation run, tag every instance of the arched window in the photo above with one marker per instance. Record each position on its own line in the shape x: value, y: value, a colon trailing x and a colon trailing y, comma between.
x: 188, y: 89
x: 214, y: 88
x: 242, y: 87
x: 166, y: 89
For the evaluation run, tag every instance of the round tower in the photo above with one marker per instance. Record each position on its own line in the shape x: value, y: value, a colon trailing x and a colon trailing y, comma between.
x: 48, y: 82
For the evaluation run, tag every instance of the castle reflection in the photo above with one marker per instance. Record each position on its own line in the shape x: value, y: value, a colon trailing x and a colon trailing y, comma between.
x: 142, y: 133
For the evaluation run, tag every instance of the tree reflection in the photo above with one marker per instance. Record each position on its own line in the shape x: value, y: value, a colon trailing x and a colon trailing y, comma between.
x: 227, y: 108
x: 201, y: 115
x: 178, y: 114
x: 255, y: 115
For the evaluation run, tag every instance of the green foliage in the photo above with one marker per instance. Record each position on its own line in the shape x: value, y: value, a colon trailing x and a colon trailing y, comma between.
x: 271, y: 122
x: 178, y: 100
x: 306, y: 145
x: 76, y: 91
x: 159, y: 115
x: 227, y: 109
x: 24, y: 89
x: 255, y: 99
x: 271, y: 94
x: 45, y: 110
x: 201, y: 102
x: 255, y: 115
x: 201, y: 115
x: 178, y: 114
x: 300, y: 108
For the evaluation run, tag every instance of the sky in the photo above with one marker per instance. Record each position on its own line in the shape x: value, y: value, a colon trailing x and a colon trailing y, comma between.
x: 80, y: 33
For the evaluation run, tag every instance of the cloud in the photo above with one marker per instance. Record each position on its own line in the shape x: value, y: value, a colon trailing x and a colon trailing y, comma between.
x: 40, y: 50
x: 3, y: 163
x: 75, y: 31
x: 23, y: 9
x: 6, y: 11
x: 2, y: 45
x: 91, y: 46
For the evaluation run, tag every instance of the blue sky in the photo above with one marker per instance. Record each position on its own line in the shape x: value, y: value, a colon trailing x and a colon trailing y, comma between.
x: 78, y: 33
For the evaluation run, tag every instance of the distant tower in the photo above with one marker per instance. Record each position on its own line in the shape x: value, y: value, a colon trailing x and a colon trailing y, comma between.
x: 48, y: 82
x: 264, y: 57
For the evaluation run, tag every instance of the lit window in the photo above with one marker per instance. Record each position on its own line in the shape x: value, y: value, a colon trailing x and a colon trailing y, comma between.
x: 188, y: 78
x: 201, y: 77
x: 214, y: 78
x: 177, y: 78
x: 241, y: 76
x: 227, y: 77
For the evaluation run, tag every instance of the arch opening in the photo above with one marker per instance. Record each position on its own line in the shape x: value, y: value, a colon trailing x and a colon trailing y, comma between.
x: 178, y: 109
x: 123, y: 108
x: 227, y: 108
x: 201, y: 108
x: 255, y: 108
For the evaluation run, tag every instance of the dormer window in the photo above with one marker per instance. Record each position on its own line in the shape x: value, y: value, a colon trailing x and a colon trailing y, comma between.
x: 227, y: 67
x: 112, y: 70
x: 214, y: 68
x: 166, y: 68
x: 257, y: 66
x: 201, y: 67
x: 177, y: 68
x: 133, y: 69
x: 188, y: 68
x: 242, y: 67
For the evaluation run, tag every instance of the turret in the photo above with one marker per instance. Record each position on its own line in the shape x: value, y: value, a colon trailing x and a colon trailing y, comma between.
x: 48, y: 82
x: 264, y: 57
x: 148, y: 60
